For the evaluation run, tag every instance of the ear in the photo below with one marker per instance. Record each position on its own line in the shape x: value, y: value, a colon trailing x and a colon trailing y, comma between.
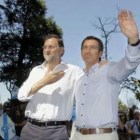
x: 61, y: 51
x: 100, y: 53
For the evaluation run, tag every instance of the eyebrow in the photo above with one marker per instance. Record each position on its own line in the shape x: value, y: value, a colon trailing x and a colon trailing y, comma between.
x: 91, y: 45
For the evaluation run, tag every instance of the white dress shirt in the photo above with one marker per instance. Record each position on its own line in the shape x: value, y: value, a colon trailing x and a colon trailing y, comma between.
x: 54, y: 101
x: 97, y: 91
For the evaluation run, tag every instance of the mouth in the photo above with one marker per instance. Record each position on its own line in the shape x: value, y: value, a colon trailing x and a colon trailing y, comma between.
x: 87, y: 56
x: 47, y: 54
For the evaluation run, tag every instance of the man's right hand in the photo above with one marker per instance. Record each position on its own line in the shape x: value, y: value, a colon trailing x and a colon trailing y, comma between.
x: 52, y: 77
x: 49, y: 78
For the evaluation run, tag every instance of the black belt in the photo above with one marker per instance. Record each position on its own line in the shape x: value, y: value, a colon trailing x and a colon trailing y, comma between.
x: 49, y: 123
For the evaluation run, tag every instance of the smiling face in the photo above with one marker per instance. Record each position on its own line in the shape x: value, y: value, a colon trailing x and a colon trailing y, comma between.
x: 51, y: 50
x: 90, y: 52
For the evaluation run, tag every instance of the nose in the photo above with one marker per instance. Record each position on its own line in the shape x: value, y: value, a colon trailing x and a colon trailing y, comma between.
x: 87, y: 50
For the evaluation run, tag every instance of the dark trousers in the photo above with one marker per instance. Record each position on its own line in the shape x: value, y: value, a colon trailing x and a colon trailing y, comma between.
x: 33, y: 132
x: 18, y: 130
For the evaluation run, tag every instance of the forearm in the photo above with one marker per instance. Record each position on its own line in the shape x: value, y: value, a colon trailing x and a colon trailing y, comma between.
x: 37, y: 86
x: 46, y: 80
x: 122, y: 69
x: 121, y: 126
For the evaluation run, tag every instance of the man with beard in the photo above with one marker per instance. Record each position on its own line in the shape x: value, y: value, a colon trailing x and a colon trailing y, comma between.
x: 49, y: 89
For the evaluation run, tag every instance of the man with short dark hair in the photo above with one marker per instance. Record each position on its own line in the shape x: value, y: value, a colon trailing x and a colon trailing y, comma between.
x: 98, y: 89
x: 50, y: 91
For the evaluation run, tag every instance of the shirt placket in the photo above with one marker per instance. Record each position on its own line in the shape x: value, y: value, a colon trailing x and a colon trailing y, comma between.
x: 48, y: 110
x: 83, y: 117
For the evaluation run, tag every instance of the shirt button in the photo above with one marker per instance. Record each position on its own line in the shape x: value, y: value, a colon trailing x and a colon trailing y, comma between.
x: 85, y: 84
x: 82, y: 104
x: 83, y: 125
x: 81, y: 115
x: 83, y: 93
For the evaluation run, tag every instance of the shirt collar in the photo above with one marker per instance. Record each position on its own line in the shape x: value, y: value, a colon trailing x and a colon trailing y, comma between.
x: 59, y: 67
x: 93, y: 69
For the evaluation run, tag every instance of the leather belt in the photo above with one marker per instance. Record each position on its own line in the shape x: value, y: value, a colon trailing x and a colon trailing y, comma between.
x: 86, y: 131
x: 49, y: 123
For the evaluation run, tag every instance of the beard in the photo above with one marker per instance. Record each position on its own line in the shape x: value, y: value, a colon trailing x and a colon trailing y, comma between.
x: 48, y: 57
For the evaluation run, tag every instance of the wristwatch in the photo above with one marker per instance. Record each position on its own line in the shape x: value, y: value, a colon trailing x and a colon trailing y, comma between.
x: 134, y: 44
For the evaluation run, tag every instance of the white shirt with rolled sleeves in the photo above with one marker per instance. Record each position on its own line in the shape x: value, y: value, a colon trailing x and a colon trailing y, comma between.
x: 53, y: 102
x: 97, y: 92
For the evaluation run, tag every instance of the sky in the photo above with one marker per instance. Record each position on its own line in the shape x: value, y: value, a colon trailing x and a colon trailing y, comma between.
x: 75, y: 17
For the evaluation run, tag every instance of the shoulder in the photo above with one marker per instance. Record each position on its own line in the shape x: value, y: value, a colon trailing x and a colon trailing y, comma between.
x: 71, y: 66
x: 102, y: 63
x: 106, y: 63
x: 77, y: 71
x: 36, y: 68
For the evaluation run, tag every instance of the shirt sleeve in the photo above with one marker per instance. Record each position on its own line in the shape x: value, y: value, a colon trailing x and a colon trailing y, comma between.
x: 126, y: 66
x: 26, y: 87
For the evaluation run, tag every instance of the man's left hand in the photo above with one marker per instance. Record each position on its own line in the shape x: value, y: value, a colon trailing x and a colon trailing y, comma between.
x: 128, y: 26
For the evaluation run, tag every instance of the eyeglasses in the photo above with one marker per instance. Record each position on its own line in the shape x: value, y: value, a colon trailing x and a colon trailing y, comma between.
x: 50, y: 47
x: 92, y: 47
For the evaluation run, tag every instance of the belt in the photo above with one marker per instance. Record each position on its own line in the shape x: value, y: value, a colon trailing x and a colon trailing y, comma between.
x: 49, y: 123
x: 85, y: 131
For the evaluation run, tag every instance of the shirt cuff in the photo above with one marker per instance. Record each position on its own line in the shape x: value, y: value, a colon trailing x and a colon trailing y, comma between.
x: 133, y: 50
x: 24, y: 92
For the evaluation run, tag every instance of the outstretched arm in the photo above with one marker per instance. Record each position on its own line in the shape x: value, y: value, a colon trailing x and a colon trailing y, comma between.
x: 121, y: 70
x: 128, y: 26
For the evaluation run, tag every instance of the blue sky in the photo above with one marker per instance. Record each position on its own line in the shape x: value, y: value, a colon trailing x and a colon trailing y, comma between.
x: 75, y: 16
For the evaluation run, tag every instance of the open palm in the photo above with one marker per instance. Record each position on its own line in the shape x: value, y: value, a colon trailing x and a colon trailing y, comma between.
x: 128, y: 26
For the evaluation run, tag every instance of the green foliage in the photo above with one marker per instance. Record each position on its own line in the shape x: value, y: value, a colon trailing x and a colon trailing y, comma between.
x: 23, y: 28
x: 133, y: 85
x: 123, y: 107
x: 130, y: 84
x: 137, y: 95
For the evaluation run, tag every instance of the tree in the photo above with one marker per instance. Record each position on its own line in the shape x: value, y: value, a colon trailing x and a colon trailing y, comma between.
x: 132, y: 101
x: 137, y: 94
x: 133, y: 85
x: 130, y: 83
x: 106, y: 27
x: 23, y: 29
x: 123, y: 107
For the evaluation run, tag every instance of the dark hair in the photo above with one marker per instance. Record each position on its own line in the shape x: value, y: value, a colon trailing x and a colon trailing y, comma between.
x: 123, y: 113
x: 6, y: 106
x: 60, y: 41
x: 101, y: 46
x: 136, y: 112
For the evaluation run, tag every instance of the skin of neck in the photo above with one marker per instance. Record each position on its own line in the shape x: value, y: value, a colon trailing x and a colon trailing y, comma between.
x: 89, y: 66
x: 51, y: 65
